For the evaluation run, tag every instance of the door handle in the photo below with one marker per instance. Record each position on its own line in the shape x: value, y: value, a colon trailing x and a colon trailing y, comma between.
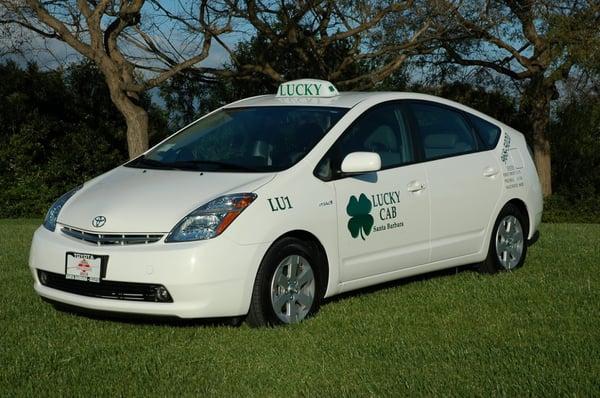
x: 490, y: 171
x: 415, y: 186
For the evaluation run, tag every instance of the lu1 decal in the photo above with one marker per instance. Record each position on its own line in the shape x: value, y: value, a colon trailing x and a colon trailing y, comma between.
x: 359, y: 209
x: 280, y: 203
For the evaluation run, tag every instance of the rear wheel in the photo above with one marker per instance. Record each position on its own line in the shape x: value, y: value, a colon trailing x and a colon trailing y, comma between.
x: 508, y: 245
x: 286, y: 289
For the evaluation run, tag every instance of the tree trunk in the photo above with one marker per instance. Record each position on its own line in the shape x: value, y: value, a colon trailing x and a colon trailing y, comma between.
x: 540, y: 118
x: 536, y: 103
x: 135, y: 116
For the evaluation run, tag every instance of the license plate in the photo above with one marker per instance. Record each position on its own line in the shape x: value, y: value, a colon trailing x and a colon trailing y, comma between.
x: 84, y: 267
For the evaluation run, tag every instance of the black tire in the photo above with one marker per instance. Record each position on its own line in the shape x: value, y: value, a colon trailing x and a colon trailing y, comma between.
x: 493, y: 262
x: 262, y: 311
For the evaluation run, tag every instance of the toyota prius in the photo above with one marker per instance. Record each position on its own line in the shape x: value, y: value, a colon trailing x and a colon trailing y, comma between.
x: 266, y: 206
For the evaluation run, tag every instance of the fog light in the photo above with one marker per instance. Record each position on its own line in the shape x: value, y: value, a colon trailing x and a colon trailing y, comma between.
x: 43, y: 277
x: 162, y: 294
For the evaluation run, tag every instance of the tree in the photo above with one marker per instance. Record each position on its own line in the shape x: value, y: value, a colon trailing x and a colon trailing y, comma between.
x: 136, y: 44
x: 183, y: 96
x: 577, y: 168
x: 186, y: 96
x: 338, y: 41
x: 59, y: 129
x: 534, y: 42
x: 491, y: 102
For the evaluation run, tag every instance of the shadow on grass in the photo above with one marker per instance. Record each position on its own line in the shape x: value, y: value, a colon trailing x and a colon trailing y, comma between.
x: 139, y: 319
x: 402, y: 282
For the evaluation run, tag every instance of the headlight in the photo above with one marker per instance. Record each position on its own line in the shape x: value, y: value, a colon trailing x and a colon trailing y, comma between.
x: 52, y: 215
x: 211, y: 219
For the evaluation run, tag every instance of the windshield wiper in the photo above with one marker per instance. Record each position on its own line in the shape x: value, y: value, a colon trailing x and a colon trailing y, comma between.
x: 220, y: 165
x: 143, y: 161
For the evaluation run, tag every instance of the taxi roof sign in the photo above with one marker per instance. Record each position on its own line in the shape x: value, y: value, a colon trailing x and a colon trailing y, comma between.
x: 302, y: 88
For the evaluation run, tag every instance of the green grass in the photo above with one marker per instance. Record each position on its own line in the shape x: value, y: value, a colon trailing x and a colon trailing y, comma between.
x: 535, y: 331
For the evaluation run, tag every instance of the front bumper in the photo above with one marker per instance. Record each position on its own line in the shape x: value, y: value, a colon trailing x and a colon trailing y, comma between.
x: 206, y: 279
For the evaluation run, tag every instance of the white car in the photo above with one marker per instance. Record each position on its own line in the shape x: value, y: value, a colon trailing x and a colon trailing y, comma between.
x: 266, y: 206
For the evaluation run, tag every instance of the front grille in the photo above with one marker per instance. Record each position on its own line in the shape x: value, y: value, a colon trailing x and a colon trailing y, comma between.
x: 105, y: 289
x: 111, y: 239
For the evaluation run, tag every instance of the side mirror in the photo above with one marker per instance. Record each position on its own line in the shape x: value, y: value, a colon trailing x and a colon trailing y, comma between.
x: 361, y: 162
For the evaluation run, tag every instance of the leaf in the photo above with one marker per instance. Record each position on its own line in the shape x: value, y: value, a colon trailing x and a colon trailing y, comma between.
x: 360, y: 224
x: 364, y: 204
x: 361, y: 221
x: 354, y: 226
x: 358, y: 207
x: 352, y: 207
x: 367, y: 224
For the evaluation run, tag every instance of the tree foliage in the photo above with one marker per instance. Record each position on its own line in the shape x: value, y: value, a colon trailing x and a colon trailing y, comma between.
x: 59, y: 129
x: 576, y: 150
x: 136, y: 45
x: 333, y: 40
x: 535, y: 42
x: 186, y: 96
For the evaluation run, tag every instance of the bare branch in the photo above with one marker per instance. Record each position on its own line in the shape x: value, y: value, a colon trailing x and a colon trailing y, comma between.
x: 456, y: 58
x: 60, y: 29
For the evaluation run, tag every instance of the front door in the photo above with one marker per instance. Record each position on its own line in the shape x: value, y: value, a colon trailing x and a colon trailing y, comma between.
x: 383, y: 217
x: 383, y: 221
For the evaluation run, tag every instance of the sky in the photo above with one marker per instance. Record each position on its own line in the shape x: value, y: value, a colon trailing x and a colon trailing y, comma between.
x: 53, y: 54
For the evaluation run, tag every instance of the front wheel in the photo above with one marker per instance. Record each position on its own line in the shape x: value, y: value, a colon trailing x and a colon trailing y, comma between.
x: 508, y: 245
x: 286, y: 289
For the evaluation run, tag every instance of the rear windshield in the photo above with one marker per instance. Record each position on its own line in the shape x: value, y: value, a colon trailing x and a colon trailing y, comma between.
x: 251, y: 139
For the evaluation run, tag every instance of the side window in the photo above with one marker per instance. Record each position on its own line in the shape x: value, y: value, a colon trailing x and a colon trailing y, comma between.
x: 381, y: 129
x: 442, y: 131
x: 489, y: 133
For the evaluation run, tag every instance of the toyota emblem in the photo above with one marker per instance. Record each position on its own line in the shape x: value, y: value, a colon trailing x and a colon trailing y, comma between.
x: 98, y: 221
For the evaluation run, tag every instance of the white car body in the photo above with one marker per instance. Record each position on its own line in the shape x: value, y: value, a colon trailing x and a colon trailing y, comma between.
x: 427, y: 215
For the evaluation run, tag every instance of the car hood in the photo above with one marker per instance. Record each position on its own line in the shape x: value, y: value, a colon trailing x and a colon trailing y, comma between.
x: 144, y: 200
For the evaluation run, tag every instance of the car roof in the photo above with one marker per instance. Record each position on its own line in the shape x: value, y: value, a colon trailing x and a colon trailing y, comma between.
x: 349, y: 99
x: 346, y: 99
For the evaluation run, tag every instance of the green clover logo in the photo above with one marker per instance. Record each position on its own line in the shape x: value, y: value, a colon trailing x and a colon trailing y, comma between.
x: 361, y: 220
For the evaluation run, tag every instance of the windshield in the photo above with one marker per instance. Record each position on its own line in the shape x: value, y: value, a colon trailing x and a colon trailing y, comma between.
x: 253, y: 139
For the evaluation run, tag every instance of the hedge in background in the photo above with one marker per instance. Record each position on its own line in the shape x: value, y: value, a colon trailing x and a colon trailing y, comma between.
x: 58, y: 130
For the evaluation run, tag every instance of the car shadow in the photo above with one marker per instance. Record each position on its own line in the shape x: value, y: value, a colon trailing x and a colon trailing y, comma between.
x: 402, y: 282
x: 140, y: 319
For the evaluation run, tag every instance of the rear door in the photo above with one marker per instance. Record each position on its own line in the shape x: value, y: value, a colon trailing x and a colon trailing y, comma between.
x: 383, y: 217
x: 464, y: 179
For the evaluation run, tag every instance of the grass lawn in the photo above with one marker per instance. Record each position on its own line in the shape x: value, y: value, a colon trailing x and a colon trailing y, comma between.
x: 535, y: 331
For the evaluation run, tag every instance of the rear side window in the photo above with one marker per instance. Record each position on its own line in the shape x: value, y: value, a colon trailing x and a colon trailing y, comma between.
x: 488, y: 132
x: 442, y: 131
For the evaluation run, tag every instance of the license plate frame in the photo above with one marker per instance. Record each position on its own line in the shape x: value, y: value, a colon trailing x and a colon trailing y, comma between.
x: 85, y: 267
